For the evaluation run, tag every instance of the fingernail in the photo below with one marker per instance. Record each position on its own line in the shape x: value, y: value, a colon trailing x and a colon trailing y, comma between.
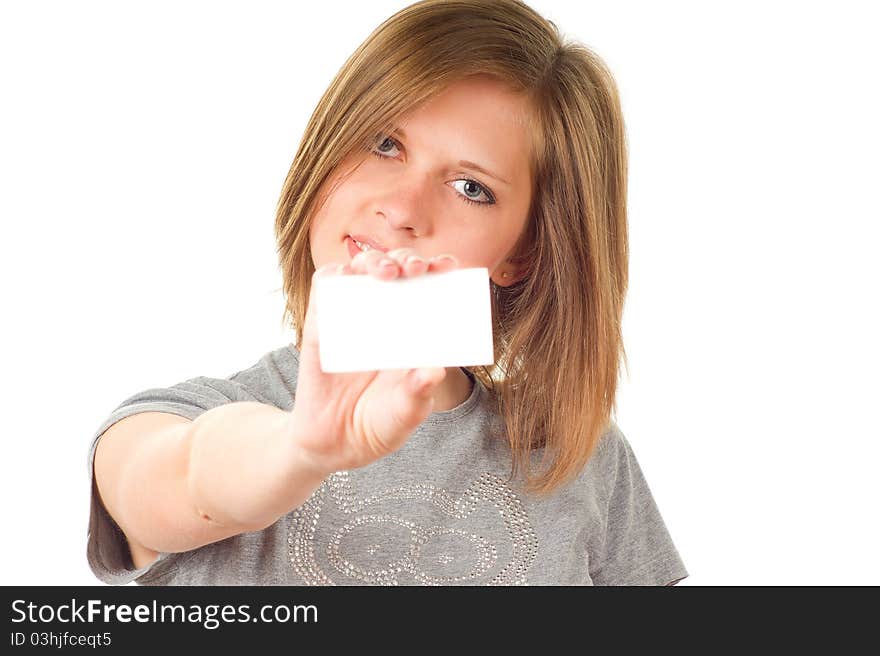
x: 415, y: 259
x: 385, y: 261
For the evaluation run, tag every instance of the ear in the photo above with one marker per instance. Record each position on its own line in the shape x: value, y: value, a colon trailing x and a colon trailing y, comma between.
x: 508, y: 273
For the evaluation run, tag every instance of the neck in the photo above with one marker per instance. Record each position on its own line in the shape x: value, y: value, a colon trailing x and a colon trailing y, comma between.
x: 453, y: 391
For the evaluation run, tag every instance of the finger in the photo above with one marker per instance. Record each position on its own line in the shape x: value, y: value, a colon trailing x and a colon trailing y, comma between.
x: 400, y: 254
x: 411, y: 263
x: 377, y: 266
x: 442, y: 263
x: 415, y: 265
x: 383, y: 267
x: 360, y: 263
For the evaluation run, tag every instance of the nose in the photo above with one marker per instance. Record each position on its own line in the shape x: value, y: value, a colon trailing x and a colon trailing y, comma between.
x: 407, y: 202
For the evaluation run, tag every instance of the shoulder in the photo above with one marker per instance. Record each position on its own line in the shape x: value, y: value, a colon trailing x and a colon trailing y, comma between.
x: 611, y: 447
x: 613, y: 468
x: 637, y: 548
x: 272, y: 379
x: 612, y: 441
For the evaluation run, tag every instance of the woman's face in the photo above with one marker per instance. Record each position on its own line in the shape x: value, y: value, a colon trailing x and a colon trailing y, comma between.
x: 422, y: 187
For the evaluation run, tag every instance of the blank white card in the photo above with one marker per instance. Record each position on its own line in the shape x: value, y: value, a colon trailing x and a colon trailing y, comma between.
x: 431, y: 320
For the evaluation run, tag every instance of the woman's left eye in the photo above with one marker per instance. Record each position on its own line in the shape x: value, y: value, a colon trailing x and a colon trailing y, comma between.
x: 470, y: 191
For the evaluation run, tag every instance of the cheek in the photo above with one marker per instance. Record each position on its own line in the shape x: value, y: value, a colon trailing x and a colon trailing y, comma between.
x: 474, y: 247
x: 321, y: 235
x: 326, y: 221
x: 490, y: 246
x: 340, y: 205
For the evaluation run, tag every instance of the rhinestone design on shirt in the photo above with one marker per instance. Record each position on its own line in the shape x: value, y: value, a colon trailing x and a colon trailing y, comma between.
x: 476, y: 557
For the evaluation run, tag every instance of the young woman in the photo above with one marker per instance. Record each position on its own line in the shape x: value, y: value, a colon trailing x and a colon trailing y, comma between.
x: 459, y: 134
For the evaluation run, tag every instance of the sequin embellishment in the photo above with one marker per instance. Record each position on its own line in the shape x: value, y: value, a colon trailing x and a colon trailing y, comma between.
x: 474, y: 556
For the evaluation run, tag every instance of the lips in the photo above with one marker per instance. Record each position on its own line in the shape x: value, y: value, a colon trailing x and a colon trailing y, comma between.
x: 372, y: 243
x: 354, y: 249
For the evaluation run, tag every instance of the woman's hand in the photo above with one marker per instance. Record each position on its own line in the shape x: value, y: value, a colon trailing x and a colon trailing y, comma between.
x: 348, y: 420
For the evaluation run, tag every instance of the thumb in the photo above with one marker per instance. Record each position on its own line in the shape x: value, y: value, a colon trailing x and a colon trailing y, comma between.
x: 424, y: 381
x: 412, y: 400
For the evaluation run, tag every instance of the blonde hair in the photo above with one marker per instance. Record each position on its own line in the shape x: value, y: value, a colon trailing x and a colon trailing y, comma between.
x: 557, y: 329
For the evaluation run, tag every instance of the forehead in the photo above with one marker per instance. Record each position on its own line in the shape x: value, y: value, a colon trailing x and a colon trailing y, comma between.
x: 478, y: 119
x: 478, y: 97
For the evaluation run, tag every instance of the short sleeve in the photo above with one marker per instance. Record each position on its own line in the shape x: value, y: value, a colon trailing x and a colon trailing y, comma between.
x: 637, y: 548
x: 107, y: 549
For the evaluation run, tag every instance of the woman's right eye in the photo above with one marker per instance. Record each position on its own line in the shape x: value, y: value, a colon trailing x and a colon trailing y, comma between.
x: 379, y: 150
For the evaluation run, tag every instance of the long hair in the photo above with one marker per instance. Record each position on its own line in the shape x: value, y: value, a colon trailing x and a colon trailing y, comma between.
x: 557, y: 330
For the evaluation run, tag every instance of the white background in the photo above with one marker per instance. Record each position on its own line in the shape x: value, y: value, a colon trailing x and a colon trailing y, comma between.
x: 143, y: 147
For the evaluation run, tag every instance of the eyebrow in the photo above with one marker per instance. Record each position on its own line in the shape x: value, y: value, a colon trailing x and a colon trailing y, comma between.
x: 465, y: 163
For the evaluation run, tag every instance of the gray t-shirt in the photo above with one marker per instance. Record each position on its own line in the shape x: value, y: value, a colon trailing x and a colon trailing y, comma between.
x: 438, y: 511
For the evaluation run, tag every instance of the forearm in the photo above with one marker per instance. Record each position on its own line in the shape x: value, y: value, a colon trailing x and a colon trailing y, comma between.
x: 244, y: 470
